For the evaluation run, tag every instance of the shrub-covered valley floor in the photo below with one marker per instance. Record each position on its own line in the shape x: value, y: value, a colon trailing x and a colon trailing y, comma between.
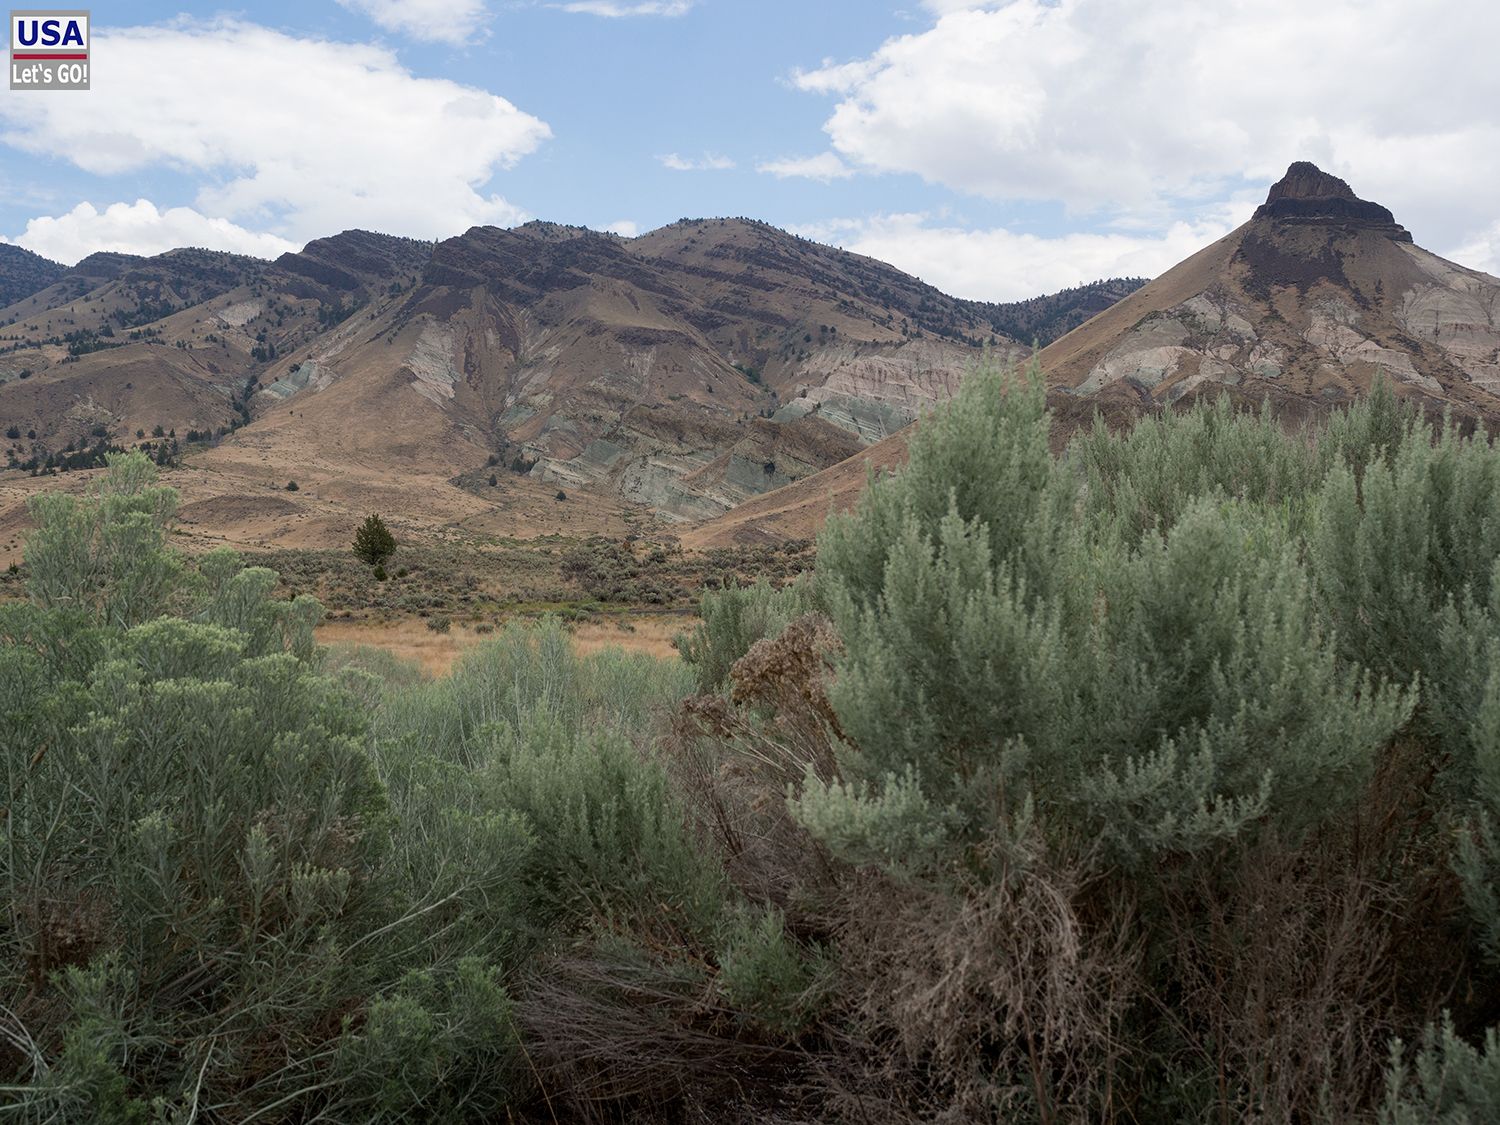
x: 1153, y: 781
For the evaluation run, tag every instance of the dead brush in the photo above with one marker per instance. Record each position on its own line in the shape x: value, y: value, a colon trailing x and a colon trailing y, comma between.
x: 56, y: 926
x: 734, y: 760
x: 953, y: 1003
x: 630, y: 1024
x: 980, y: 1003
x: 1282, y: 988
x: 787, y: 675
x: 619, y: 1034
x: 1292, y: 972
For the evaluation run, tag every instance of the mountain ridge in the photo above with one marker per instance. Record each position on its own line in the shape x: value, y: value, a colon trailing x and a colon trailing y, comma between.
x: 682, y: 370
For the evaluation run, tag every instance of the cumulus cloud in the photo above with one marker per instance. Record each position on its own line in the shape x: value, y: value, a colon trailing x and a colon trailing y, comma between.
x: 141, y: 228
x: 625, y: 228
x: 708, y: 162
x: 300, y: 137
x: 1165, y: 103
x: 1480, y: 252
x: 826, y: 166
x: 1003, y: 265
x: 943, y: 7
x: 455, y: 22
x: 618, y: 9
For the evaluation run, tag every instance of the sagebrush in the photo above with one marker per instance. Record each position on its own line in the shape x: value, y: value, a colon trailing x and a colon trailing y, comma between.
x: 1155, y: 780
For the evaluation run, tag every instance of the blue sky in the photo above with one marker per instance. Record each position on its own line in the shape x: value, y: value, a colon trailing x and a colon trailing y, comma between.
x: 997, y: 148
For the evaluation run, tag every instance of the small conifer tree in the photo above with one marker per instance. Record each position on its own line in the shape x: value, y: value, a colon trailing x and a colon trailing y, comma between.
x: 373, y: 542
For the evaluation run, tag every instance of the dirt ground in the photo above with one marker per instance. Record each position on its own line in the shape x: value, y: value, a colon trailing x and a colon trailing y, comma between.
x: 228, y: 498
x: 436, y: 652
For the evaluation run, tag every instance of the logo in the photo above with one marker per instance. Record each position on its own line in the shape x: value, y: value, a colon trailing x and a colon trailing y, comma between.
x: 49, y: 50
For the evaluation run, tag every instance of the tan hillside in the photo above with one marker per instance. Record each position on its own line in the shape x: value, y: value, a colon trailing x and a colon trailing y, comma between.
x: 1304, y: 305
x: 125, y: 344
x: 1308, y: 301
x: 676, y: 375
x: 685, y: 370
x: 243, y: 502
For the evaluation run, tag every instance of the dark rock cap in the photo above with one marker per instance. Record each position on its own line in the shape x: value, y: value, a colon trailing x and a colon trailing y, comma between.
x: 1307, y: 194
x: 1305, y: 180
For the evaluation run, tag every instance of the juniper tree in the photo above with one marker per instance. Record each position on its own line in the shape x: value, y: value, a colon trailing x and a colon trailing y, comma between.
x: 373, y: 542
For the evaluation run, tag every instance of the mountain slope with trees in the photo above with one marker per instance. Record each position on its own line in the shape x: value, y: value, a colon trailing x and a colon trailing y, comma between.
x: 23, y: 273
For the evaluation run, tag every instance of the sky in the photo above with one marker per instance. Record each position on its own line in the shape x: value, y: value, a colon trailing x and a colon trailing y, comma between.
x: 995, y: 149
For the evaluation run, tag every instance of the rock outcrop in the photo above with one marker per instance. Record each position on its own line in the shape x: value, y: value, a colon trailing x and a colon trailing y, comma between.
x: 1308, y: 194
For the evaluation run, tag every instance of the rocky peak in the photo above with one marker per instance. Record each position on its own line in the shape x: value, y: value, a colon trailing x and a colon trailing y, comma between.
x: 1305, y: 180
x: 1307, y: 194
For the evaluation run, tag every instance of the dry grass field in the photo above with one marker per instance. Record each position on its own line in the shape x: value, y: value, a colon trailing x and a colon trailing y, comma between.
x: 436, y: 652
x: 447, y: 586
x: 239, y: 498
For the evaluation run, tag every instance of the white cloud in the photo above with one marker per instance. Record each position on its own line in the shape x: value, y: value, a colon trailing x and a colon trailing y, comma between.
x: 1002, y: 265
x: 943, y: 7
x: 615, y: 9
x: 1165, y: 103
x: 625, y: 228
x: 456, y: 22
x: 1480, y: 252
x: 301, y: 137
x: 826, y: 166
x: 708, y: 162
x: 140, y: 228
